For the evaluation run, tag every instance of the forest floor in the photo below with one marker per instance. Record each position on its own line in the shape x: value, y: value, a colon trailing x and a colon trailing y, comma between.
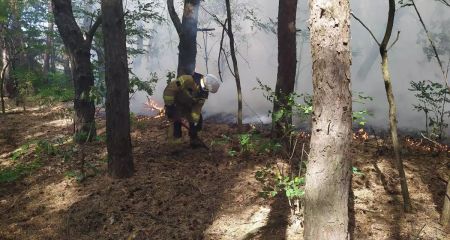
x: 51, y: 188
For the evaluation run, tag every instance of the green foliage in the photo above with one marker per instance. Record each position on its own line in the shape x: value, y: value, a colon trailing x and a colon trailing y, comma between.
x: 81, y: 137
x: 18, y: 171
x: 432, y: 98
x: 289, y: 107
x: 73, y: 174
x: 136, y: 84
x: 21, y: 151
x: 275, y: 182
x: 356, y: 171
x: 360, y: 117
x: 169, y: 76
x: 45, y: 147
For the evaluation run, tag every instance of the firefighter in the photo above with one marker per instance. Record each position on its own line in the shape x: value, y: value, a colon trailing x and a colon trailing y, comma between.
x: 183, y: 99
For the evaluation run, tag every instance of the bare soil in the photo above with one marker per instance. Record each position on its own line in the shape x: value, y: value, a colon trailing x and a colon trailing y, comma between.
x: 192, y: 194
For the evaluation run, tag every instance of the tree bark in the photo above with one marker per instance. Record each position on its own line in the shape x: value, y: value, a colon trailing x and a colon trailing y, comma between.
x: 445, y: 217
x: 392, y: 106
x: 79, y: 52
x: 118, y: 142
x: 328, y: 173
x: 235, y: 64
x: 49, y: 44
x: 187, y: 32
x: 287, y: 63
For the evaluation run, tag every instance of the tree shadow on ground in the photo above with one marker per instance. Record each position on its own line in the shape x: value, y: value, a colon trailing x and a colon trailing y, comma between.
x: 169, y: 197
x: 392, y: 192
x: 277, y: 223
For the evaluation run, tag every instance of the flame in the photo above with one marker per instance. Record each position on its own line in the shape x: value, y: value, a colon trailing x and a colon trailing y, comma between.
x: 155, y: 106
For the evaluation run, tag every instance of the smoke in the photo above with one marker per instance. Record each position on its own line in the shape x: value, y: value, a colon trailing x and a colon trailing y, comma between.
x: 258, y: 58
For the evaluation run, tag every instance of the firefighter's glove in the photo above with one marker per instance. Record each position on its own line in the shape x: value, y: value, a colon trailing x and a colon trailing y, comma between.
x: 170, y: 111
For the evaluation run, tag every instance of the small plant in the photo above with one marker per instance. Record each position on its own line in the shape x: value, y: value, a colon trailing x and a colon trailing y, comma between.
x: 432, y: 99
x: 45, y: 147
x: 245, y: 142
x: 360, y: 117
x: 275, y: 182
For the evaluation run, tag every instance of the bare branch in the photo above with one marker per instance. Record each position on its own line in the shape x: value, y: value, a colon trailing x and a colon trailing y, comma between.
x: 220, y: 49
x: 367, y: 28
x: 436, y: 54
x: 395, y: 41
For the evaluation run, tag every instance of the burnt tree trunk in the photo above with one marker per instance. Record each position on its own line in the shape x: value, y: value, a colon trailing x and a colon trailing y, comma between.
x: 78, y: 49
x: 328, y: 172
x: 118, y: 141
x: 287, y: 63
x: 187, y: 32
x: 392, y: 106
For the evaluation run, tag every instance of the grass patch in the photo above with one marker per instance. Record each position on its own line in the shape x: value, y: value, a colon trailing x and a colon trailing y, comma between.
x: 12, y: 174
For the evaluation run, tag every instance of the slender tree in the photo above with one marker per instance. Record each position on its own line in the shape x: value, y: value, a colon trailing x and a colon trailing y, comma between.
x: 391, y: 100
x: 328, y: 173
x: 287, y: 63
x: 120, y: 159
x: 78, y: 48
x: 48, y: 43
x: 235, y: 63
x: 187, y: 32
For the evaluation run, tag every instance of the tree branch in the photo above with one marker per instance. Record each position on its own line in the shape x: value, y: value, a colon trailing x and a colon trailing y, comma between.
x: 395, y: 41
x: 220, y: 50
x: 367, y: 28
x: 174, y: 16
x: 436, y: 54
x: 90, y: 34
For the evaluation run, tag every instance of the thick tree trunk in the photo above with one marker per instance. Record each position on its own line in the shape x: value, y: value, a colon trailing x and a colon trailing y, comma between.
x: 328, y: 173
x: 287, y: 62
x: 83, y: 81
x: 67, y: 67
x: 445, y: 217
x: 83, y: 78
x: 188, y: 38
x: 187, y: 32
x: 120, y: 159
x: 392, y: 106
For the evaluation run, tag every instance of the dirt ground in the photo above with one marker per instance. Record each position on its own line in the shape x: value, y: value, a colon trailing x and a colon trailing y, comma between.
x: 190, y: 194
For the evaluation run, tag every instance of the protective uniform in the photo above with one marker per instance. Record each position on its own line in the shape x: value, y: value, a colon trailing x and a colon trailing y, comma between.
x: 184, y: 98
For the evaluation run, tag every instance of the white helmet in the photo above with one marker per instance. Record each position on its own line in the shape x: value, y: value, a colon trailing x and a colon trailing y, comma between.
x: 212, y: 84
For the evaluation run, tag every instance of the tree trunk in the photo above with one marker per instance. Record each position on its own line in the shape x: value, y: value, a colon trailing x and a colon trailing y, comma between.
x: 5, y: 66
x: 392, y: 106
x: 14, y: 51
x: 48, y: 50
x: 78, y: 49
x: 287, y: 63
x: 235, y: 64
x: 67, y: 67
x: 328, y: 172
x: 445, y: 217
x: 118, y: 142
x: 187, y: 32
